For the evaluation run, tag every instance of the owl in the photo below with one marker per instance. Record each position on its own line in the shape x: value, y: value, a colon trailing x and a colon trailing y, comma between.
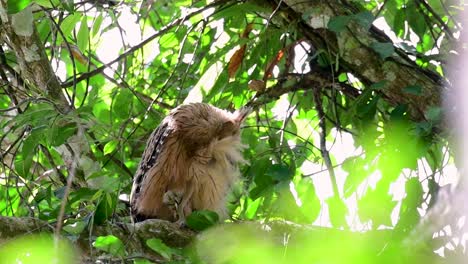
x: 190, y: 163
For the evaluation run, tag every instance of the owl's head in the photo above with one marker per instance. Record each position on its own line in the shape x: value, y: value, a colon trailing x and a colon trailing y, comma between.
x: 198, y: 124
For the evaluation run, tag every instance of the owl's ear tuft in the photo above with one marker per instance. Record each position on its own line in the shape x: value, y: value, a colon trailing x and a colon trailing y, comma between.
x: 241, y: 114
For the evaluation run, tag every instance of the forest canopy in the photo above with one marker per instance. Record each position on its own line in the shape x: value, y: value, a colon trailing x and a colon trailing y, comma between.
x: 351, y: 155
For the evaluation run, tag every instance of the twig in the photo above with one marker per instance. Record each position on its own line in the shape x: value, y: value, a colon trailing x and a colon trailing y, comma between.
x: 71, y: 176
x: 112, y: 158
x: 52, y: 163
x: 323, y: 143
x: 161, y: 32
x: 442, y: 24
x: 304, y: 83
x: 70, y: 53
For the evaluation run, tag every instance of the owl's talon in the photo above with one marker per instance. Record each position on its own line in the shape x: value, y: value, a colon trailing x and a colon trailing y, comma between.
x: 181, y: 223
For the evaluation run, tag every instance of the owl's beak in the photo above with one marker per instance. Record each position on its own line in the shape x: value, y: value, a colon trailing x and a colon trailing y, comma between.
x: 242, y: 113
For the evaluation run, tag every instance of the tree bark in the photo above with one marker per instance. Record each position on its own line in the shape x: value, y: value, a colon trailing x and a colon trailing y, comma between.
x: 19, y: 32
x: 353, y: 48
x: 133, y: 236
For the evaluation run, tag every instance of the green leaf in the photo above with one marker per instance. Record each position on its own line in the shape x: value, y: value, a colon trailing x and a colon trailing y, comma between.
x: 399, y: 22
x: 310, y: 202
x: 423, y: 128
x: 110, y: 146
x: 279, y: 172
x: 75, y: 228
x: 378, y: 85
x: 169, y: 40
x: 399, y: 112
x: 110, y: 244
x: 409, y: 215
x: 384, y: 50
x: 83, y: 194
x: 364, y: 19
x: 426, y: 44
x: 15, y: 6
x: 413, y: 89
x: 36, y: 115
x: 337, y: 210
x: 342, y: 77
x: 242, y: 8
x: 83, y: 34
x: 338, y: 24
x: 354, y: 166
x: 415, y: 19
x: 68, y: 24
x: 377, y: 205
x: 101, y: 181
x: 162, y: 249
x: 59, y: 133
x: 97, y: 24
x: 32, y: 249
x: 252, y: 208
x: 434, y: 114
x: 262, y: 180
x: 32, y: 141
x: 123, y: 103
x: 285, y: 206
x: 201, y: 220
x: 367, y: 109
x: 42, y: 195
x: 47, y: 3
x: 23, y: 164
x: 24, y: 161
x: 60, y: 192
x: 414, y: 193
x: 68, y: 5
x: 105, y: 208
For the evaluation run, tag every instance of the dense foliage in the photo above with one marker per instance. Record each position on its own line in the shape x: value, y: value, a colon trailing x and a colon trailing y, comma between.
x: 345, y: 115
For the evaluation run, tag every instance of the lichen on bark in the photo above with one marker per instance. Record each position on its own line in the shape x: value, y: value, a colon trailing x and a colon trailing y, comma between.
x: 22, y: 22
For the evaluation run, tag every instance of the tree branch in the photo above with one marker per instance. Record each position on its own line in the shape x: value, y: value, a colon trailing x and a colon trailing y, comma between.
x: 353, y: 48
x: 298, y: 82
x: 32, y: 59
x: 323, y: 142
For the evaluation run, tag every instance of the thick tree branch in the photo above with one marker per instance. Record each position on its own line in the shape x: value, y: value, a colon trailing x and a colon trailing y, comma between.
x: 291, y: 83
x: 133, y: 236
x: 19, y: 32
x: 353, y: 48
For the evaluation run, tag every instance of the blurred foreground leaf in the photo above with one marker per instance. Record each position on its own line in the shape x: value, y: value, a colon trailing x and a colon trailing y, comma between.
x: 37, y: 249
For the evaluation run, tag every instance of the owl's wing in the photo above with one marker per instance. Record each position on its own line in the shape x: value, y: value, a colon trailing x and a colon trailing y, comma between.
x: 150, y: 158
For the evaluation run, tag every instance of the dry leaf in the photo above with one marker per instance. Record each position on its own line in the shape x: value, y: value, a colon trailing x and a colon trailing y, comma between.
x: 247, y: 30
x: 76, y: 53
x: 272, y: 64
x: 235, y: 61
